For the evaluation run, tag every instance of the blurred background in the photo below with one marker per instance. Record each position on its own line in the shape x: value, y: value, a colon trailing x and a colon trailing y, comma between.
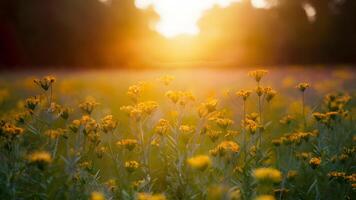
x: 96, y: 34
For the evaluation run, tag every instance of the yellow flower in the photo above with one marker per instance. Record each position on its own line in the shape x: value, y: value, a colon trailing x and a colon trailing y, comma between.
x: 337, y: 175
x: 147, y: 107
x: 200, y: 162
x: 267, y: 174
x: 225, y: 147
x: 180, y: 97
x: 133, y: 112
x: 314, y: 162
x: 10, y: 130
x: 32, y: 102
x: 232, y: 133
x: 216, y: 192
x: 259, y: 90
x: 137, y: 184
x: 156, y: 142
x: 269, y: 93
x: 40, y: 158
x: 146, y: 196
x: 87, y: 165
x: 108, y: 124
x: 131, y: 166
x: 244, y: 94
x: 250, y: 125
x: 351, y: 178
x: 88, y: 105
x: 186, y: 130
x: 74, y: 126
x: 304, y: 155
x: 292, y: 174
x: 332, y: 115
x: 223, y: 122
x: 296, y: 138
x: 134, y: 91
x: 128, y: 144
x: 207, y: 107
x: 265, y: 197
x: 258, y: 74
x: 253, y: 116
x: 142, y: 109
x: 303, y: 86
x: 343, y: 157
x: 173, y: 96
x: 111, y: 185
x: 100, y: 150
x: 162, y: 127
x: 21, y: 116
x: 97, y: 196
x: 213, y: 135
x: 90, y: 125
x: 46, y: 82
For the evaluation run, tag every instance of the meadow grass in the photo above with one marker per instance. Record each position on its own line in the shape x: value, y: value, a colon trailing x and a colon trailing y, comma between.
x: 191, y: 134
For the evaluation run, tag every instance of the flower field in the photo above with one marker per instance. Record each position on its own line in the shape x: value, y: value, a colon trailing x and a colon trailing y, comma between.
x: 281, y: 133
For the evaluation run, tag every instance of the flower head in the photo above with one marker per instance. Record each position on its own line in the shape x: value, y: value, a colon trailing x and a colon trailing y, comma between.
x: 9, y: 130
x: 108, y: 124
x: 135, y: 91
x: 223, y: 122
x: 74, y: 126
x: 265, y: 197
x: 213, y: 134
x: 97, y: 196
x: 131, y: 166
x: 314, y: 162
x: 269, y: 93
x: 302, y: 86
x: 267, y: 174
x: 224, y: 148
x: 46, y: 82
x: 186, y: 129
x: 292, y: 174
x: 111, y: 185
x: 259, y: 91
x: 258, y: 74
x: 244, y: 94
x: 147, y: 196
x: 200, y: 162
x: 32, y: 102
x: 162, y: 127
x: 180, y: 97
x: 207, y: 107
x: 40, y: 158
x: 88, y: 105
x: 128, y: 144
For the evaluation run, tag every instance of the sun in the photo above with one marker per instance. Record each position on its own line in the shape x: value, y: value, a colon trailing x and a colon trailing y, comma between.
x: 180, y: 17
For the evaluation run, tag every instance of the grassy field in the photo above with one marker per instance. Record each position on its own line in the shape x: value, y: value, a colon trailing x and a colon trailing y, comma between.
x: 281, y: 133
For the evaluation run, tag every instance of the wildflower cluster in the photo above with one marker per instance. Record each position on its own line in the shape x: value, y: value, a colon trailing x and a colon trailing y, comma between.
x: 189, y: 148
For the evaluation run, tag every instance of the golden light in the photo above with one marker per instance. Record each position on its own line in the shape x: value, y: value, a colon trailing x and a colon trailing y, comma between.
x: 263, y: 4
x: 180, y: 17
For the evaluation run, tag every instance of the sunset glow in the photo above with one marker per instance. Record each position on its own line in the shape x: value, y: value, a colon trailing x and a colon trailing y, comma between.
x: 180, y: 17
